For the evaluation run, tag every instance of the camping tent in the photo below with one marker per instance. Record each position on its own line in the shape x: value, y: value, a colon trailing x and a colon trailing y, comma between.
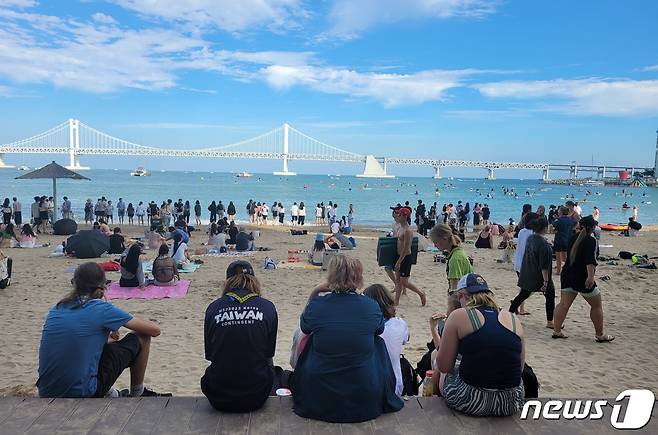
x: 87, y: 244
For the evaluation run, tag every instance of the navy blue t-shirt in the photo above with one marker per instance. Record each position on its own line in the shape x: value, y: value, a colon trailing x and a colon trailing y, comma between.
x: 72, y: 342
x: 240, y: 338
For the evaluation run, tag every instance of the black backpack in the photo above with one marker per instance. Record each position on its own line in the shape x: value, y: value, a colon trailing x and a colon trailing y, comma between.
x: 530, y: 382
x: 409, y: 378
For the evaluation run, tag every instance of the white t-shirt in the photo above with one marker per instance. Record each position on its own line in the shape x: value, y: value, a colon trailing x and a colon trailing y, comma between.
x: 335, y: 228
x: 318, y: 212
x: 179, y: 256
x: 396, y: 334
x: 294, y: 210
x: 520, y: 248
x: 218, y: 240
x: 282, y: 210
x: 302, y: 212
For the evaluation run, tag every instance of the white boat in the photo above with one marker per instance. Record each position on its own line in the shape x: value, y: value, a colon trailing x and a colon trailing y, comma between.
x: 591, y: 182
x: 140, y: 172
x: 244, y: 174
x: 23, y: 168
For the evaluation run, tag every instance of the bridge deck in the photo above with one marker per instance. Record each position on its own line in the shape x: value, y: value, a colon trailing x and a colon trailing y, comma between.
x: 193, y: 415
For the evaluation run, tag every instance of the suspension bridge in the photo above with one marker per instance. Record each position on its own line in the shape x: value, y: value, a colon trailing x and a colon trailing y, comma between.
x: 285, y: 143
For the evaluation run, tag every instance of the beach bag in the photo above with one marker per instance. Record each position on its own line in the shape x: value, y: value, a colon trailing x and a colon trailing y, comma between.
x: 269, y: 264
x: 625, y: 255
x: 110, y: 266
x: 409, y: 378
x: 530, y: 382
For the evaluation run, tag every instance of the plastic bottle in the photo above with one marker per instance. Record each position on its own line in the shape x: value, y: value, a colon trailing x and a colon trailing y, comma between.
x: 428, y: 385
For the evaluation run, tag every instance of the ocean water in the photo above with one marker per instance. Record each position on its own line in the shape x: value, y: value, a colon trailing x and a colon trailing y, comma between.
x: 371, y: 197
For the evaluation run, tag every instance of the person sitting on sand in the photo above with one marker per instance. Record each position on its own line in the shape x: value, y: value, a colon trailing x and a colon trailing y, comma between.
x: 316, y: 255
x: 344, y: 373
x: 104, y: 228
x: 117, y: 242
x: 179, y: 252
x: 240, y: 339
x: 244, y: 241
x: 8, y: 238
x: 216, y: 238
x: 80, y: 353
x: 5, y: 270
x: 396, y: 331
x: 185, y: 237
x: 155, y: 239
x: 485, y: 239
x: 578, y: 277
x: 132, y: 273
x: 28, y: 238
x: 491, y: 343
x: 165, y: 271
x: 232, y: 233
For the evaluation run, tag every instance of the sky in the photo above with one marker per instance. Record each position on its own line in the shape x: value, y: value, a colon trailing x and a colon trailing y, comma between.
x: 496, y: 80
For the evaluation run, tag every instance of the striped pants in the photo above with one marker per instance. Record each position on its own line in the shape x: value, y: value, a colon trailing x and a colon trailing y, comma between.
x: 480, y: 401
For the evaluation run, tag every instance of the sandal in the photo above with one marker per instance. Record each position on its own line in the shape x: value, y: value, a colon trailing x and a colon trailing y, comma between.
x: 605, y: 278
x: 558, y: 335
x: 605, y: 338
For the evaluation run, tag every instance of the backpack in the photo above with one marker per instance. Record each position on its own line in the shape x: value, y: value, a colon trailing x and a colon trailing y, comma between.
x: 409, y: 378
x: 530, y: 382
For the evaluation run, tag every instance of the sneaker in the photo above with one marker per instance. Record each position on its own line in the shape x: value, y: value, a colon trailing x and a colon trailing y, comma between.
x: 151, y: 393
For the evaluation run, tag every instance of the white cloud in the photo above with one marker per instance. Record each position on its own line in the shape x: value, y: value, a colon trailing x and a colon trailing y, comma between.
x: 9, y: 92
x: 229, y: 15
x: 389, y: 89
x: 103, y: 19
x: 592, y: 96
x: 18, y: 3
x: 350, y: 18
x: 650, y: 68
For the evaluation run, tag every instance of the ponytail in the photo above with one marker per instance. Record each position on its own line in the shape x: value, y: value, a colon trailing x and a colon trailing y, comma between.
x: 443, y: 231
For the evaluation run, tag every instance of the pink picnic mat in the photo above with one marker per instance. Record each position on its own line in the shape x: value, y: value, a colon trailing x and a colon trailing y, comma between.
x: 114, y: 291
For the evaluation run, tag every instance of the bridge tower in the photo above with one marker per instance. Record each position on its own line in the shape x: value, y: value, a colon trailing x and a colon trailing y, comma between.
x: 375, y: 169
x: 437, y: 172
x: 74, y: 146
x: 286, y: 134
x: 490, y: 174
x: 545, y: 174
x: 655, y: 162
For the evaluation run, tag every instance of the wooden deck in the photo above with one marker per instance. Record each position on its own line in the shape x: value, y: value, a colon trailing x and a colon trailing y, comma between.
x: 193, y: 415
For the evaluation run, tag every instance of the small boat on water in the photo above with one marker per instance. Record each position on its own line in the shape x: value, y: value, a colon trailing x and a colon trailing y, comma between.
x: 244, y: 174
x: 23, y: 168
x: 140, y: 172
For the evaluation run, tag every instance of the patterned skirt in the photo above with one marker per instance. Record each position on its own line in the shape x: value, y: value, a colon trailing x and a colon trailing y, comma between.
x: 481, y: 402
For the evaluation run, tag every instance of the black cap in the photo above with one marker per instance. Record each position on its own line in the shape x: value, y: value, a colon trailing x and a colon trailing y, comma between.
x: 239, y: 266
x: 588, y: 221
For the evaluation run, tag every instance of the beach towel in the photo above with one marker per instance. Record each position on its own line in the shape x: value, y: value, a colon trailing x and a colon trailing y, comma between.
x: 189, y: 267
x: 230, y: 254
x: 114, y: 291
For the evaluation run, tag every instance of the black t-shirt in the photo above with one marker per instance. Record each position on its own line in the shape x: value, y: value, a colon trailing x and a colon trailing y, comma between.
x: 574, y: 275
x: 240, y: 338
x: 116, y: 244
x: 242, y: 241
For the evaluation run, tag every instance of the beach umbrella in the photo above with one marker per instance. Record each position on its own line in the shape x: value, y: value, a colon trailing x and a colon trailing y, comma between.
x: 87, y: 244
x: 52, y: 171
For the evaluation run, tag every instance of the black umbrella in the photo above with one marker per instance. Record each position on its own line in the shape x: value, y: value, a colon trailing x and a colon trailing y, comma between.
x: 54, y: 171
x: 87, y: 244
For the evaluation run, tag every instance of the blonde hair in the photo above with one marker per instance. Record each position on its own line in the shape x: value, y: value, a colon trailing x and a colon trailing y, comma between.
x: 242, y: 281
x: 482, y: 299
x: 344, y: 273
x: 443, y: 231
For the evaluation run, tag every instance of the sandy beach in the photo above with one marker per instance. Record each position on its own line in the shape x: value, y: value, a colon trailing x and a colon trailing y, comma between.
x: 576, y: 367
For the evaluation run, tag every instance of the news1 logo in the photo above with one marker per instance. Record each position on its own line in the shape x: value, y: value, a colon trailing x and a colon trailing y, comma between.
x: 638, y: 410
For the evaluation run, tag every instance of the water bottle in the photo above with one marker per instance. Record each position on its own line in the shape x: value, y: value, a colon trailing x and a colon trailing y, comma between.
x: 428, y: 386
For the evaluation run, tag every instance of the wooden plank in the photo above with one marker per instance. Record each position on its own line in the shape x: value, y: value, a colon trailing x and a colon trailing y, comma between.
x: 57, y: 412
x: 387, y: 424
x: 7, y: 406
x: 234, y: 424
x: 24, y: 414
x: 439, y: 415
x: 206, y: 419
x: 115, y: 416
x: 84, y: 416
x: 267, y: 419
x: 176, y: 416
x: 412, y: 419
x: 291, y: 423
x: 146, y: 416
x: 364, y: 428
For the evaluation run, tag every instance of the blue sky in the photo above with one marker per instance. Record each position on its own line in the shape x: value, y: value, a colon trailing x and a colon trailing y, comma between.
x: 488, y: 80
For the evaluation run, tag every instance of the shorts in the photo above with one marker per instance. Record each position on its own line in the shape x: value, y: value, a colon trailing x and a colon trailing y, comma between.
x: 481, y: 401
x: 116, y: 357
x: 587, y: 295
x: 405, y: 267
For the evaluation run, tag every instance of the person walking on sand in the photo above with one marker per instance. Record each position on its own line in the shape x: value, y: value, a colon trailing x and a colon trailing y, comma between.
x: 402, y: 266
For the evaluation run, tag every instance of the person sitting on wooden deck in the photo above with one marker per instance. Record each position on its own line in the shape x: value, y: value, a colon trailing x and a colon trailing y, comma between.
x: 344, y: 374
x: 80, y: 354
x: 240, y: 338
x: 490, y: 342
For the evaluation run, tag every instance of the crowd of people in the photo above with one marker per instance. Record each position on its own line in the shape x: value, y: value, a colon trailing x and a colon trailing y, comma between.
x: 346, y: 353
